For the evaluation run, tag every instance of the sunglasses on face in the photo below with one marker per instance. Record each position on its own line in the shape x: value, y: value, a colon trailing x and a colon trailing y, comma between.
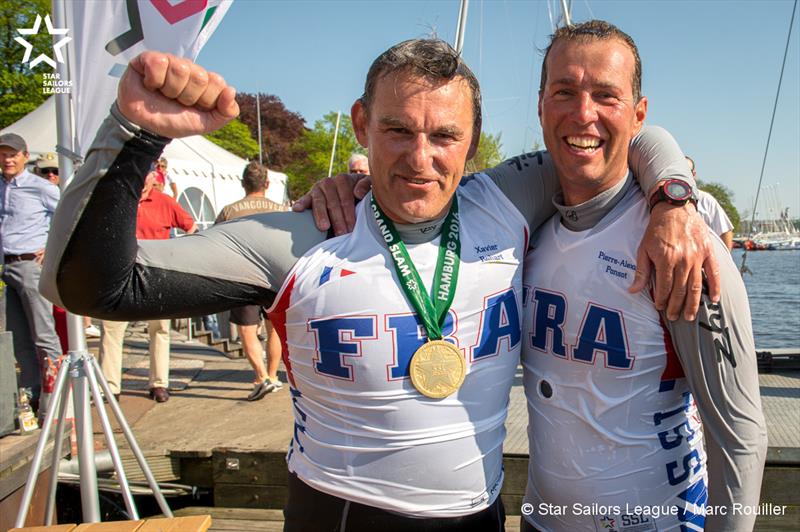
x: 53, y: 171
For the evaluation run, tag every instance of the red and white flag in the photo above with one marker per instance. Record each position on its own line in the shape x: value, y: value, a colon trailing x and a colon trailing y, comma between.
x: 108, y: 34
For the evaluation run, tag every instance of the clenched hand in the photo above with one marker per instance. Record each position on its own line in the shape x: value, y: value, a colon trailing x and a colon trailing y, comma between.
x: 174, y: 97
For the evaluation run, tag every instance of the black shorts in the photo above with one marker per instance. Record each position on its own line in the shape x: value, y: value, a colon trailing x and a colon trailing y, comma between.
x: 248, y: 315
x: 310, y: 510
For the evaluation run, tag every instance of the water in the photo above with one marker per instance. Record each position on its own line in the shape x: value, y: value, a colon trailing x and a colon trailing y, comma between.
x: 774, y: 292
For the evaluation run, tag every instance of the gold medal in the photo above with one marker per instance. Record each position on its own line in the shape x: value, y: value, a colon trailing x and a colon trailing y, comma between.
x: 437, y: 369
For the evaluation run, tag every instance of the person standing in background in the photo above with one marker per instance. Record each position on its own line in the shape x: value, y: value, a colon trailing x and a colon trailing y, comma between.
x: 158, y: 213
x: 255, y: 181
x: 358, y: 164
x: 162, y: 177
x: 47, y: 167
x: 27, y: 203
x: 712, y: 212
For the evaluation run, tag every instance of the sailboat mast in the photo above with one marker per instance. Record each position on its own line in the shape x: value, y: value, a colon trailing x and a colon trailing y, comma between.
x: 462, y: 26
x: 565, y: 11
x: 335, y: 138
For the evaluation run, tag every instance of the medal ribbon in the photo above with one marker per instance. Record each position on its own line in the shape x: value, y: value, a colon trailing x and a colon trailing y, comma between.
x: 433, y: 312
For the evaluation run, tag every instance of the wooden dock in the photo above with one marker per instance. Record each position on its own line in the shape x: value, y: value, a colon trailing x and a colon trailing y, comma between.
x: 207, y: 435
x: 16, y: 457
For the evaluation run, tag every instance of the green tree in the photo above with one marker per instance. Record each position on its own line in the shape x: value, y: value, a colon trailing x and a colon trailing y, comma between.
x: 490, y: 153
x: 315, y: 146
x: 280, y: 128
x: 725, y: 198
x: 236, y: 138
x: 21, y: 87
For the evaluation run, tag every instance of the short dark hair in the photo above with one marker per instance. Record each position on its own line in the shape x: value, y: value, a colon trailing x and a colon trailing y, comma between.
x: 598, y: 30
x: 431, y: 59
x: 254, y: 178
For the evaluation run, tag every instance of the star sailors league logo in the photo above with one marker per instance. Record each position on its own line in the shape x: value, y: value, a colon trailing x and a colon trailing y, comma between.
x: 42, y: 58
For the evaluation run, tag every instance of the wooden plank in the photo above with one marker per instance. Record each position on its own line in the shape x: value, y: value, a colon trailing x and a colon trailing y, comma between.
x: 516, y: 474
x: 9, y: 506
x: 17, y: 453
x: 250, y: 496
x: 247, y: 526
x: 512, y: 523
x: 238, y: 519
x: 247, y: 519
x: 110, y: 526
x: 180, y: 453
x: 17, y: 448
x: 192, y: 523
x: 512, y: 503
x: 790, y: 521
x: 53, y: 528
x: 780, y: 485
x: 250, y: 467
x: 253, y: 514
x: 165, y: 468
x: 782, y: 456
x: 196, y: 471
x: 260, y: 520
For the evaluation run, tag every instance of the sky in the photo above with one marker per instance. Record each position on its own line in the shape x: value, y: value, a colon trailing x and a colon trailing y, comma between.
x: 710, y: 70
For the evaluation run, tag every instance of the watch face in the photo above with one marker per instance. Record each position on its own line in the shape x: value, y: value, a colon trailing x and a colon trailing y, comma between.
x: 677, y: 190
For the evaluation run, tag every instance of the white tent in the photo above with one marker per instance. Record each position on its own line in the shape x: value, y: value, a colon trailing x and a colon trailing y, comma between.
x: 207, y: 176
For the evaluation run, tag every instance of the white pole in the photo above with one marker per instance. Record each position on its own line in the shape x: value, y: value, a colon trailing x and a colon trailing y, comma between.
x: 565, y: 9
x: 258, y: 114
x: 333, y: 150
x: 90, y: 501
x: 462, y: 26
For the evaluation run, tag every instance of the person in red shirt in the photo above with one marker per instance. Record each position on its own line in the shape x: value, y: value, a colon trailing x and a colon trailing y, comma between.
x: 157, y: 215
x: 162, y: 177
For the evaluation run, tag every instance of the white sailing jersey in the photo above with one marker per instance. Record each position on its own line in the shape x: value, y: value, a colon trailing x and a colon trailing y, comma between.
x: 362, y: 431
x: 615, y: 438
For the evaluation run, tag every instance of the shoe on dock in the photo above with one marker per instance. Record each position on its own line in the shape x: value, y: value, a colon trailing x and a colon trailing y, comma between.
x: 159, y: 394
x: 263, y: 388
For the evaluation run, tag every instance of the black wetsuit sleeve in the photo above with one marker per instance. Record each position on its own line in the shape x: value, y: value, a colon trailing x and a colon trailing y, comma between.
x: 94, y: 265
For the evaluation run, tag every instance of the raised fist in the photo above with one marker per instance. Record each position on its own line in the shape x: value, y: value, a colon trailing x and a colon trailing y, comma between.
x: 174, y: 97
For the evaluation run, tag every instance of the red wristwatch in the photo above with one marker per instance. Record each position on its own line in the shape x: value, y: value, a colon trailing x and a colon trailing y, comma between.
x: 674, y: 192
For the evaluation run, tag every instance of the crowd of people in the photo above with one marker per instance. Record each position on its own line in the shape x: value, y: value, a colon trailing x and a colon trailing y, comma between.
x: 402, y: 335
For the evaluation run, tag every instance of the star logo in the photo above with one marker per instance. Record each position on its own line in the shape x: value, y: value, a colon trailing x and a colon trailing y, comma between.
x: 607, y: 523
x: 437, y: 371
x: 56, y: 47
x: 412, y: 285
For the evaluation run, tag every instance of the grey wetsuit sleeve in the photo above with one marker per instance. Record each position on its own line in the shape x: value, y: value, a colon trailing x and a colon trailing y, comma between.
x: 94, y: 265
x: 655, y: 156
x: 530, y: 180
x: 718, y: 355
